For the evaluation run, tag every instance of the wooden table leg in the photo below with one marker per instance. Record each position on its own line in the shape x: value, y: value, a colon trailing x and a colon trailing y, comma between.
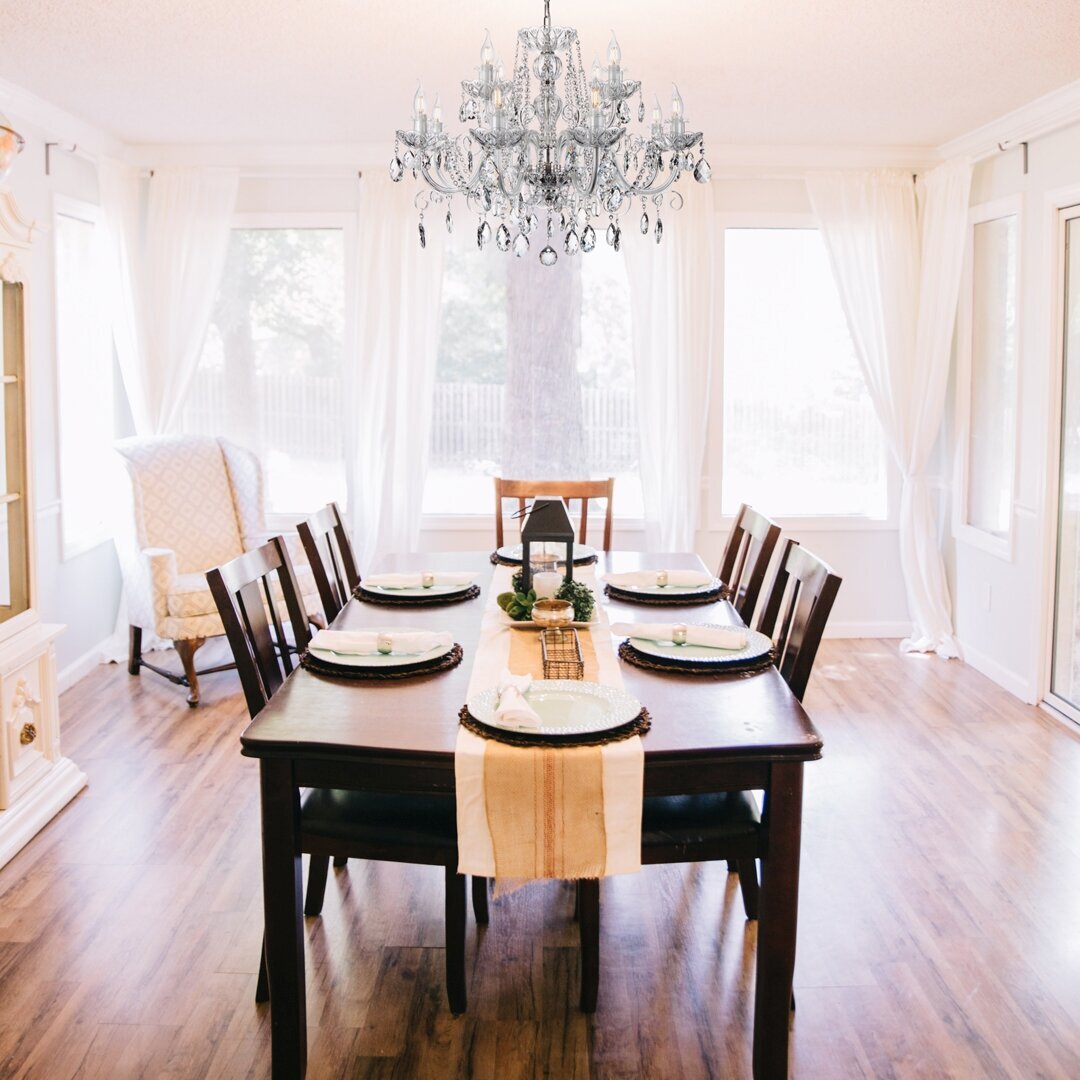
x: 778, y: 905
x: 282, y: 906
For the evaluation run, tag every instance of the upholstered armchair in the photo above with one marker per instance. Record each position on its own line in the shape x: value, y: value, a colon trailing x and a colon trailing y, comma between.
x: 197, y: 502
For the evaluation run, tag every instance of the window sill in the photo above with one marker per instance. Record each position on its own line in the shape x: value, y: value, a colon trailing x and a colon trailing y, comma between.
x: 838, y: 523
x: 484, y: 523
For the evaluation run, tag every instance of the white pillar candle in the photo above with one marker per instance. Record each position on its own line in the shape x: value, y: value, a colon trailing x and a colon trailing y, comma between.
x: 546, y: 584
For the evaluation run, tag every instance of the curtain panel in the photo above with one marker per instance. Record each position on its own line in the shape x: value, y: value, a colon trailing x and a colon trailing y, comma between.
x: 167, y: 255
x: 673, y: 291
x: 390, y: 381
x: 896, y: 250
x: 166, y: 241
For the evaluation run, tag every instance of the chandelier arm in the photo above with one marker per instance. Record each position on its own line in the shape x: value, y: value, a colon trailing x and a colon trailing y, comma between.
x: 441, y: 184
x: 471, y: 182
x: 634, y: 190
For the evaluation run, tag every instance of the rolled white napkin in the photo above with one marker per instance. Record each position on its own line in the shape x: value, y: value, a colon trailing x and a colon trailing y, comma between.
x: 416, y: 581
x: 366, y: 643
x: 711, y: 637
x: 513, y: 711
x: 646, y: 578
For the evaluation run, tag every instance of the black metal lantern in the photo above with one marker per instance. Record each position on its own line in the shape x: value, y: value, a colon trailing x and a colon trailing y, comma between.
x: 547, y: 539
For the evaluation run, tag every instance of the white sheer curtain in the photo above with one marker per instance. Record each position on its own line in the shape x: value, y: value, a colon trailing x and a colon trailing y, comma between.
x: 391, y: 379
x: 166, y: 244
x: 673, y: 292
x: 897, y: 251
x: 167, y: 265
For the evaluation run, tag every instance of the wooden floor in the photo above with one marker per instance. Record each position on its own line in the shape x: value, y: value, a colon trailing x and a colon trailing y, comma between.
x: 939, y: 932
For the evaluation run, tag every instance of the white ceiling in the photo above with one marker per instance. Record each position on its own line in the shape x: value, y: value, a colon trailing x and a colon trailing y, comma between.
x: 823, y: 72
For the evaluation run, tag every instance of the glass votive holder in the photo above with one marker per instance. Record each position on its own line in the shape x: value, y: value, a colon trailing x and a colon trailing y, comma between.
x: 427, y: 579
x: 546, y: 584
x: 384, y: 643
x: 678, y: 633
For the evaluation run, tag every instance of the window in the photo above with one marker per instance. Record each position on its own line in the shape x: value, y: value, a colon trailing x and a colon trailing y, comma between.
x: 800, y: 436
x: 988, y: 378
x: 534, y: 378
x: 270, y: 375
x: 84, y: 383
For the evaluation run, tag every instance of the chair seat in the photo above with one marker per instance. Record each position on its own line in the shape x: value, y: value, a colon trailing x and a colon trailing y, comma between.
x: 698, y: 819
x: 369, y: 818
x: 190, y: 596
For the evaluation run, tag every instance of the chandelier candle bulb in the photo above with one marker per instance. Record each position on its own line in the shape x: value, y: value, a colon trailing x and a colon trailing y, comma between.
x: 436, y: 116
x: 614, y: 59
x: 487, y: 56
x: 419, y: 111
x: 677, y: 122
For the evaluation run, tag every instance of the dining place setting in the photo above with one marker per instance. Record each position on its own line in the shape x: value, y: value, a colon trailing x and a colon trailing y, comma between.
x: 527, y: 716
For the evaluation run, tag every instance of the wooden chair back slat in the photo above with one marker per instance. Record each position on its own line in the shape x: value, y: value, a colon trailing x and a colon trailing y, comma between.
x: 580, y: 491
x: 746, y: 558
x: 796, y: 612
x: 243, y: 590
x: 330, y: 554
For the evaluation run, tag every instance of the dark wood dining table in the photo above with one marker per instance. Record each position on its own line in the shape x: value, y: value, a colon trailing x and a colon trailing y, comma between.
x: 708, y: 735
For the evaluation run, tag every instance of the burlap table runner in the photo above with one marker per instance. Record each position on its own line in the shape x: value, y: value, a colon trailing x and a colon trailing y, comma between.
x: 545, y: 812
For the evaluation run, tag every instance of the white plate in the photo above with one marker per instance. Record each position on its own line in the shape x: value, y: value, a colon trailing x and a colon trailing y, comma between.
x: 512, y: 552
x: 565, y: 707
x: 380, y: 660
x: 419, y: 590
x: 757, y: 644
x: 666, y: 590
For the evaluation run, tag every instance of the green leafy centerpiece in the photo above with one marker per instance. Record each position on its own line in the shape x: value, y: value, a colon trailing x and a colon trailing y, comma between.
x: 518, y: 605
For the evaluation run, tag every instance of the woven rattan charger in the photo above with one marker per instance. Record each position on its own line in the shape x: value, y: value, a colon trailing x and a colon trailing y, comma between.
x: 405, y: 671
x: 434, y: 600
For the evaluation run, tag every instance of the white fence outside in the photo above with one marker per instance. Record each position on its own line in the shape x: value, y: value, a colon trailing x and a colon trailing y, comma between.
x: 301, y: 416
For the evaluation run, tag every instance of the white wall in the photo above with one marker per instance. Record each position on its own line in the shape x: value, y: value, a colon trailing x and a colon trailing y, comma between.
x: 81, y: 592
x: 999, y: 603
x: 871, y: 601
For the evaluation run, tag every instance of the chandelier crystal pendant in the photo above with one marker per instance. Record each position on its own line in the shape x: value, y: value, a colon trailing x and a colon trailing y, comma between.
x: 551, y: 143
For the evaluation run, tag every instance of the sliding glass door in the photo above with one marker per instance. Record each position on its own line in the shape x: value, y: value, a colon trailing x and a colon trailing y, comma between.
x: 1065, y: 674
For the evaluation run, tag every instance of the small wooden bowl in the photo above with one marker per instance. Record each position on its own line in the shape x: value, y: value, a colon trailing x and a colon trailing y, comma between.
x: 553, y: 612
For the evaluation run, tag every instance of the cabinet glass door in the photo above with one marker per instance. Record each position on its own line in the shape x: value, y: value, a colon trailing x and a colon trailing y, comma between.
x: 1065, y: 675
x: 14, y: 565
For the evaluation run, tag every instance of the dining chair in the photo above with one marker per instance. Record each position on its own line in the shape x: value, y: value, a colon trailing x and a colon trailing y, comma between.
x: 353, y: 824
x: 727, y: 825
x: 746, y: 558
x: 330, y: 555
x: 582, y: 491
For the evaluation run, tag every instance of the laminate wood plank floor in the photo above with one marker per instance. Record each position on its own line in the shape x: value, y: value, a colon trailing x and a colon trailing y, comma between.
x: 939, y: 932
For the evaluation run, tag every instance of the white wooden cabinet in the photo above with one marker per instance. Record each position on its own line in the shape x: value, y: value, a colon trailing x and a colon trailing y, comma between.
x: 36, y: 780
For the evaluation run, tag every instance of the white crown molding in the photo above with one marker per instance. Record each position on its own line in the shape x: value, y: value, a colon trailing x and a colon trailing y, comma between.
x: 1051, y: 112
x: 55, y: 123
x: 331, y: 160
x: 337, y: 160
x: 744, y: 160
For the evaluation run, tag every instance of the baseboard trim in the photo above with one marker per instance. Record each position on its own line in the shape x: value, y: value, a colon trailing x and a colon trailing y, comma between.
x: 1016, y: 684
x: 868, y: 629
x: 81, y: 667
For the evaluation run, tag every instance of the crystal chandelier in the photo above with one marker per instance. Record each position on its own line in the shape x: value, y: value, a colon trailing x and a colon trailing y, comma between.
x: 557, y: 160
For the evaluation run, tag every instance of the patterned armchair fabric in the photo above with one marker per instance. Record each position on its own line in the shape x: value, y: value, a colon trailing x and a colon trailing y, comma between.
x: 197, y: 503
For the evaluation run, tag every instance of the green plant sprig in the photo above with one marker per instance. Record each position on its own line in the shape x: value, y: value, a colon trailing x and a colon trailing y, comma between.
x: 518, y: 605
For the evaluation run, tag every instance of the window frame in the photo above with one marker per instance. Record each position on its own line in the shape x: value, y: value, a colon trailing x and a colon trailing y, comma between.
x: 712, y: 492
x: 1003, y: 547
x: 480, y: 521
x: 89, y: 213
x: 287, y: 520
